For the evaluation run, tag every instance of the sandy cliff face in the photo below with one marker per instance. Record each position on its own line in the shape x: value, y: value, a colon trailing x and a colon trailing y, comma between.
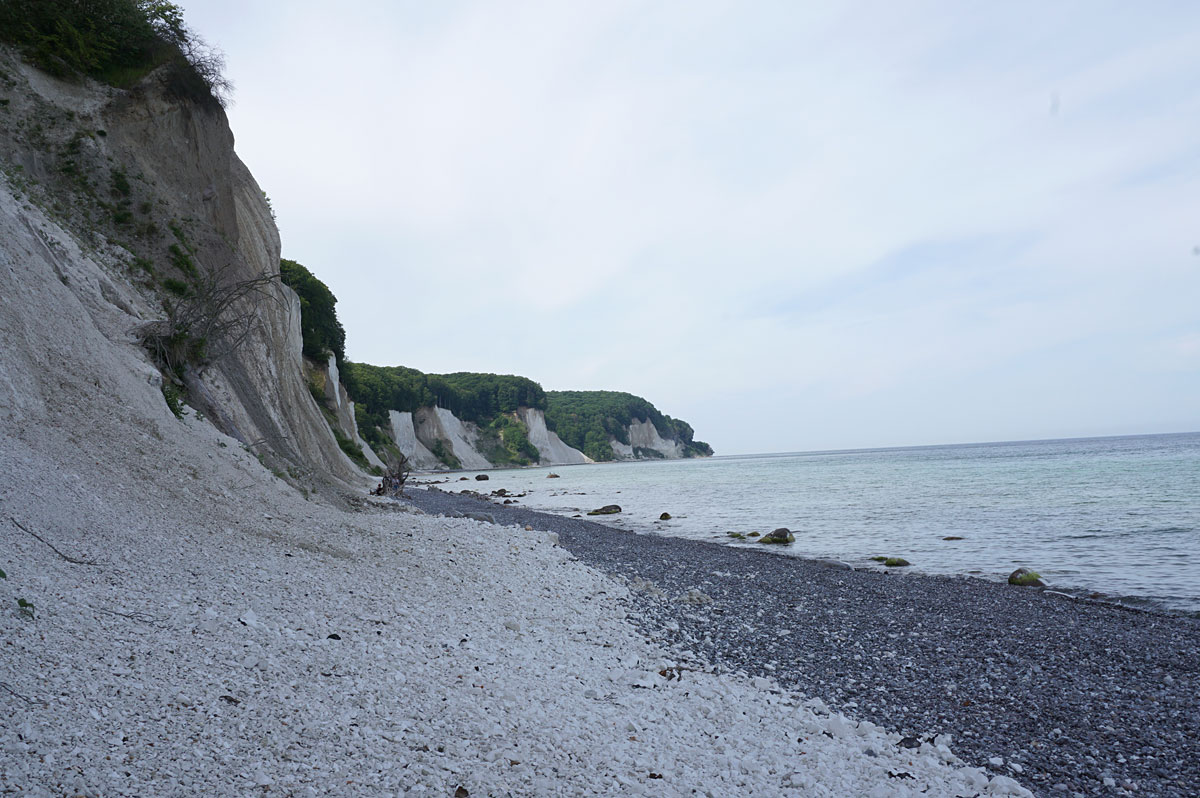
x: 62, y: 147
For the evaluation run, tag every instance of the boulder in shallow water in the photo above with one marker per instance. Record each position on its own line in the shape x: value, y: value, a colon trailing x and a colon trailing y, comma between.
x: 896, y: 562
x: 665, y: 517
x: 608, y: 509
x: 1026, y: 577
x: 781, y: 535
x: 481, y: 477
x: 552, y: 475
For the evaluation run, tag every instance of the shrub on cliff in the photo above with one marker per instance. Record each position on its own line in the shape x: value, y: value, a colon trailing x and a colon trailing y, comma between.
x: 117, y: 42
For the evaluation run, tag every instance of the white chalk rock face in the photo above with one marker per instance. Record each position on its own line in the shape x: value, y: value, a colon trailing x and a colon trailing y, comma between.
x: 433, y: 424
x: 644, y: 435
x: 550, y: 447
x: 343, y: 409
x: 621, y: 451
x: 462, y: 439
x: 405, y: 436
x: 333, y: 387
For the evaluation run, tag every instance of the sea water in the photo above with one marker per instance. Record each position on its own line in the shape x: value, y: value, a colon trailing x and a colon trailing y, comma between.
x: 1113, y: 516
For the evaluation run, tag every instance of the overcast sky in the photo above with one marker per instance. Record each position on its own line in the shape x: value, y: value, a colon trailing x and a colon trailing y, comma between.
x: 795, y: 225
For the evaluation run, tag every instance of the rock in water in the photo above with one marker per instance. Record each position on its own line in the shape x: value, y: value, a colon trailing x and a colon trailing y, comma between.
x: 665, y: 517
x: 608, y: 509
x: 552, y: 475
x: 1026, y: 577
x: 781, y: 535
x: 481, y: 477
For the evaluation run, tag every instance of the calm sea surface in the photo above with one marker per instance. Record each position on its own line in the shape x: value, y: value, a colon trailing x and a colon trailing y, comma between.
x: 1119, y: 516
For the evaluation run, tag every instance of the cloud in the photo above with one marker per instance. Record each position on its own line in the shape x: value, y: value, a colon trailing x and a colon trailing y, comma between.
x: 848, y: 210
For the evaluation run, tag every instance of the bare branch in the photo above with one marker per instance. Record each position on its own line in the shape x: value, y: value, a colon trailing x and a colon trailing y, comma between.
x: 51, y: 545
x: 26, y: 699
x: 215, y: 316
x: 139, y: 616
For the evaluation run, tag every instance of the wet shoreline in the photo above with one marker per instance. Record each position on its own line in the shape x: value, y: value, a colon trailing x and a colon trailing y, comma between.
x: 1082, y: 697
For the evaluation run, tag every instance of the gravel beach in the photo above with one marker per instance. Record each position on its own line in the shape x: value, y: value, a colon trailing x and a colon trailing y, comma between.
x: 1071, y: 697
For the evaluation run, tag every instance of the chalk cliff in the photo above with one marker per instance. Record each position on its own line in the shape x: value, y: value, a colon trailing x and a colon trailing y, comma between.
x: 404, y: 433
x: 116, y: 201
x: 643, y: 435
x: 548, y: 444
x: 127, y: 205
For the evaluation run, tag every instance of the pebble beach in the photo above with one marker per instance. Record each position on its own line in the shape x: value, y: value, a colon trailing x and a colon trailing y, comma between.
x: 1071, y: 697
x: 192, y: 625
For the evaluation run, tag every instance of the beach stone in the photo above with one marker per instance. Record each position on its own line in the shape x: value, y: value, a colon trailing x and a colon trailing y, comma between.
x: 781, y: 535
x: 1026, y: 577
x: 896, y: 562
x: 486, y: 518
x: 608, y: 509
x: 694, y: 596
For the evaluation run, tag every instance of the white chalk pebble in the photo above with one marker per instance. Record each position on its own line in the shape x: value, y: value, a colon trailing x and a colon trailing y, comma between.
x: 261, y: 779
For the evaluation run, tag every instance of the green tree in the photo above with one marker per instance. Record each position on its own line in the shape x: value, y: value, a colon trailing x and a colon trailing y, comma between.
x: 319, y: 326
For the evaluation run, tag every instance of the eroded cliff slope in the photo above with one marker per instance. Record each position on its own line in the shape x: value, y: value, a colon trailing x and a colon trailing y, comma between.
x: 116, y: 205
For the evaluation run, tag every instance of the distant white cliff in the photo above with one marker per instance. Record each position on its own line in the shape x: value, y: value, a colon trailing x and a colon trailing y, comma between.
x: 551, y: 448
x: 644, y: 435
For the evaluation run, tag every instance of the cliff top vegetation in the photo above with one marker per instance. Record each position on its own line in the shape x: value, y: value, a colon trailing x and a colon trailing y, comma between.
x: 322, y: 332
x: 586, y: 420
x: 117, y: 42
